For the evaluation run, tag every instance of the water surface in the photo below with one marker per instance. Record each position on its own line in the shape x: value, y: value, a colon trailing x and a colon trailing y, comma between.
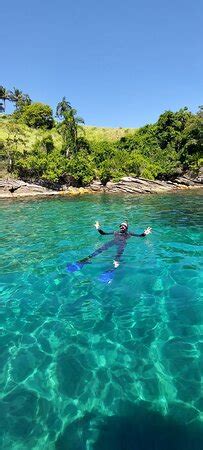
x: 88, y: 365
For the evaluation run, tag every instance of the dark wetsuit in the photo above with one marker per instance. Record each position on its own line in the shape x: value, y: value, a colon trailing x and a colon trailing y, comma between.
x: 120, y: 240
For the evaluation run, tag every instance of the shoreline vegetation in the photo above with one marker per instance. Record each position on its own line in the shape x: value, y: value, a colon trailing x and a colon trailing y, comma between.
x: 42, y: 153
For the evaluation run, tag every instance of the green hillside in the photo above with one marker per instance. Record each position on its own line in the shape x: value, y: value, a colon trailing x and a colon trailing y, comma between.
x: 89, y: 132
x: 34, y: 146
x: 106, y: 134
x: 29, y: 135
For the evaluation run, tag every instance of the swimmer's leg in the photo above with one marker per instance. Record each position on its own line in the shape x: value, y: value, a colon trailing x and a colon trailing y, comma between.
x: 73, y: 267
x: 120, y: 249
x: 107, y: 276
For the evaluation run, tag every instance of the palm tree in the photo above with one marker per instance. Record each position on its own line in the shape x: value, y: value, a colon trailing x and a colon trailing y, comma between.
x: 2, y: 109
x: 73, y: 121
x: 63, y: 107
x: 4, y: 95
x: 15, y: 96
x: 69, y: 129
x: 200, y: 111
x: 19, y: 98
x: 26, y: 100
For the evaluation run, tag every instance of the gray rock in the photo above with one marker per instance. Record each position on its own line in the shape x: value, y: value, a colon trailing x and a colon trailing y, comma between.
x: 13, y: 188
x: 96, y: 185
x: 133, y: 185
x: 128, y: 185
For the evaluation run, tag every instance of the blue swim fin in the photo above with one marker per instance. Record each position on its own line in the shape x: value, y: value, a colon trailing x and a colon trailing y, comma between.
x: 107, y: 277
x: 73, y: 267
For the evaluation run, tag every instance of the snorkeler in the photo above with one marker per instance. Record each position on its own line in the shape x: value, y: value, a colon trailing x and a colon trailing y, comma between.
x: 119, y: 240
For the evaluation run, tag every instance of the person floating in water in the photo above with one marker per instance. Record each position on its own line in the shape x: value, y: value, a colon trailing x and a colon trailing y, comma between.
x: 119, y: 240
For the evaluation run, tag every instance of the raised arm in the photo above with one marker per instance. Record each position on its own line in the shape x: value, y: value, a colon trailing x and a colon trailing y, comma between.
x: 145, y: 233
x: 97, y: 226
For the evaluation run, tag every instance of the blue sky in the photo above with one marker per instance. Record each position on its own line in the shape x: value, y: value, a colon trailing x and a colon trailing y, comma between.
x: 118, y: 63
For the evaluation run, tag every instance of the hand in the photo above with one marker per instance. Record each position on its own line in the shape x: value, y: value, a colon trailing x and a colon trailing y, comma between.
x: 116, y: 264
x: 147, y: 231
x: 97, y: 225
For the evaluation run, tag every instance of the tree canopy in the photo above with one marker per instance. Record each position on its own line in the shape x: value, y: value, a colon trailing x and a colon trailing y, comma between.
x: 38, y: 115
x: 35, y: 146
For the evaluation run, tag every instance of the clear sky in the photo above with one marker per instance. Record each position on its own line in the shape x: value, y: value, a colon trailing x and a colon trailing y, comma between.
x: 119, y: 63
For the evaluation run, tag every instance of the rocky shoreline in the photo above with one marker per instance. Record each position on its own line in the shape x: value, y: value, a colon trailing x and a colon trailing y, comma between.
x: 130, y: 185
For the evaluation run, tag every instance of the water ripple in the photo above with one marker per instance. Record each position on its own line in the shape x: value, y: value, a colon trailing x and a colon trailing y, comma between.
x: 74, y: 351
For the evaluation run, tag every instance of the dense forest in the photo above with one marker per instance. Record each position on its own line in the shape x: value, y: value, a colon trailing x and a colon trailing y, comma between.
x: 37, y: 144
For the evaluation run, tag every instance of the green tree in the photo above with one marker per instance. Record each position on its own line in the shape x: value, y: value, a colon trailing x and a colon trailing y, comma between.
x: 68, y: 129
x: 32, y: 167
x: 106, y: 171
x: 56, y: 167
x: 19, y: 99
x: 192, y: 142
x: 4, y: 95
x: 82, y: 168
x: 83, y: 144
x: 15, y: 145
x: 46, y: 144
x: 170, y: 126
x: 103, y: 150
x: 38, y: 115
x: 63, y: 107
x: 200, y: 112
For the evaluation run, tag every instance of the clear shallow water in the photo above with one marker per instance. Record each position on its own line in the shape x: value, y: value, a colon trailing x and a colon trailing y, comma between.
x: 85, y: 365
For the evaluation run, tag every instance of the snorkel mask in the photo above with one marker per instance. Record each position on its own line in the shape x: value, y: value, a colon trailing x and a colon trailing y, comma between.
x: 123, y: 226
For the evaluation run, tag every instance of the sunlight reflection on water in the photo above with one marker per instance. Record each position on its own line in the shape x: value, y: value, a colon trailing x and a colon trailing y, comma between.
x: 76, y: 353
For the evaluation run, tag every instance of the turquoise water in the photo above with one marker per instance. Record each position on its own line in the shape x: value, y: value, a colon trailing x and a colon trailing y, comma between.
x: 88, y: 365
